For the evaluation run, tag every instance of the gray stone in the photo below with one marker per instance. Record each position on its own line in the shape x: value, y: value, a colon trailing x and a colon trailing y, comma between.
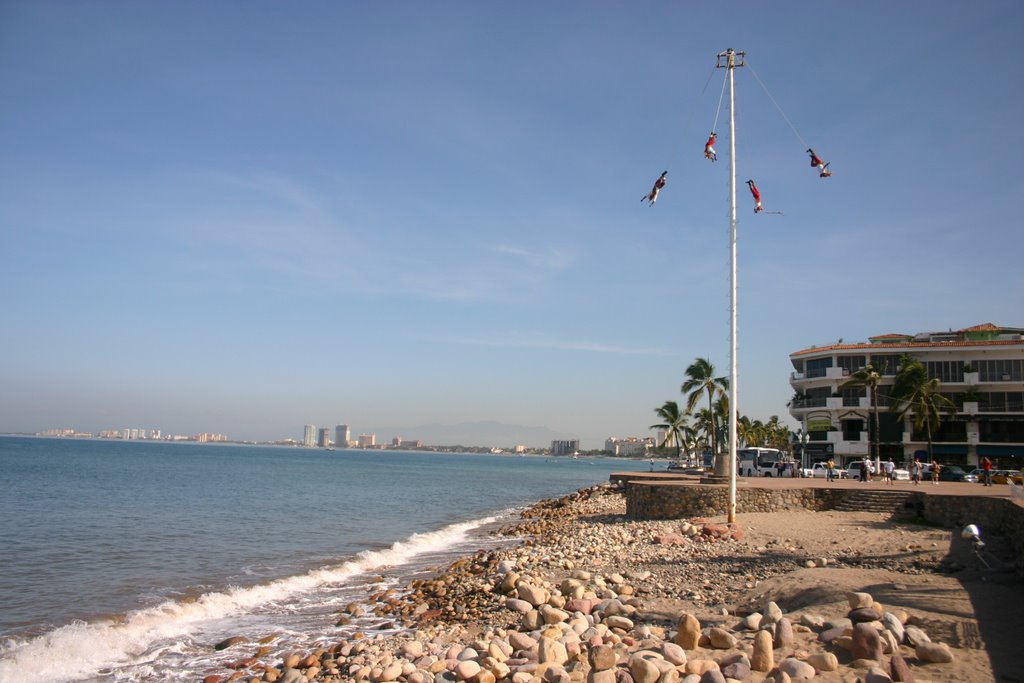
x: 783, y: 633
x: 832, y: 634
x: 713, y: 676
x: 737, y: 670
x: 893, y: 625
x: 772, y: 612
x: 292, y: 676
x: 814, y: 621
x: 914, y: 636
x: 796, y: 669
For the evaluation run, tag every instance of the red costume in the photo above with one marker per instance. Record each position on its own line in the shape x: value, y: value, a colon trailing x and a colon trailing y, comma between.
x: 817, y: 163
x: 709, y: 148
x: 757, y: 196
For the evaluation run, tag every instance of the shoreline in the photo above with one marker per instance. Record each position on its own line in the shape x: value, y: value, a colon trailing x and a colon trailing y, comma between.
x: 575, y: 592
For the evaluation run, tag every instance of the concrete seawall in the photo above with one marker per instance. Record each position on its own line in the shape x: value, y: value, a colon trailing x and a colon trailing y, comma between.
x: 660, y: 496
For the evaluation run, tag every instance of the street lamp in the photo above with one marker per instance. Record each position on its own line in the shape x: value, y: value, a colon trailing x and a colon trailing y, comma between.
x: 803, y: 437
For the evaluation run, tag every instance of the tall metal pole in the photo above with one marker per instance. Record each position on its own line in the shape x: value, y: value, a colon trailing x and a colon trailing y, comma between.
x: 731, y: 64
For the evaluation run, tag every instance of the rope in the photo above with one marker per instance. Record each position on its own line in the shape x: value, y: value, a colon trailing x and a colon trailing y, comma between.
x: 720, y: 98
x: 765, y: 88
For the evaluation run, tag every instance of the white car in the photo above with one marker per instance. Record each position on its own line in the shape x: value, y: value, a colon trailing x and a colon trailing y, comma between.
x: 820, y: 471
x: 853, y: 472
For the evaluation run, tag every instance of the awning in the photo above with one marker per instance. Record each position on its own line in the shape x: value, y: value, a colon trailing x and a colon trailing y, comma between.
x: 949, y: 449
x: 1001, y: 451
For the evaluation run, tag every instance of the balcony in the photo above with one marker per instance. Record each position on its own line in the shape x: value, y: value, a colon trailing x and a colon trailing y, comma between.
x: 836, y: 373
x: 802, y: 403
x: 1001, y: 407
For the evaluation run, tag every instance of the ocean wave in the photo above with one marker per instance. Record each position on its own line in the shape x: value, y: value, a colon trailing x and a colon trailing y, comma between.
x: 80, y: 650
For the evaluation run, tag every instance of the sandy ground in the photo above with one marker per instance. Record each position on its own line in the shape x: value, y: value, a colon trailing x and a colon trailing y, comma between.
x: 931, y: 573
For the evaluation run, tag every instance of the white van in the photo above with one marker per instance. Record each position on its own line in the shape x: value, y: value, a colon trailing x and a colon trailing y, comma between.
x: 764, y: 462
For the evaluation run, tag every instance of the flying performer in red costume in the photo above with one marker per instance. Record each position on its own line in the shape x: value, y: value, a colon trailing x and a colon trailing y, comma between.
x: 709, y: 148
x: 757, y: 196
x: 817, y: 163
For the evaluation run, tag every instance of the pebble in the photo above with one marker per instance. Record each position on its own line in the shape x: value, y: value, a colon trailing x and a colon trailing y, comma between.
x: 866, y: 642
x: 572, y: 625
x: 688, y: 634
x: 794, y: 668
x: 938, y: 653
x: 762, y: 658
x: 783, y: 633
x: 721, y: 639
x: 899, y: 670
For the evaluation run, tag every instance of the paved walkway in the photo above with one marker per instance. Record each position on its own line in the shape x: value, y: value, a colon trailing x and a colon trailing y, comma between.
x: 944, y: 488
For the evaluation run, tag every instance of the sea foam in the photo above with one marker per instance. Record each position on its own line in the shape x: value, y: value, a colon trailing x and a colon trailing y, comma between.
x: 81, y: 650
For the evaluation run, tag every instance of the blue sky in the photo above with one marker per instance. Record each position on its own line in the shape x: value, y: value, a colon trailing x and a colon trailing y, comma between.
x: 242, y: 217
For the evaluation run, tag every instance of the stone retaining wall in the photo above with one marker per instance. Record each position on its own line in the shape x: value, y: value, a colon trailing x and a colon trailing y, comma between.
x: 653, y: 500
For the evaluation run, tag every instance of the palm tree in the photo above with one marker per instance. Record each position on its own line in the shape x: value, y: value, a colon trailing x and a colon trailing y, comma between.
x: 674, y: 424
x: 700, y: 380
x: 705, y: 426
x: 914, y: 394
x: 869, y: 377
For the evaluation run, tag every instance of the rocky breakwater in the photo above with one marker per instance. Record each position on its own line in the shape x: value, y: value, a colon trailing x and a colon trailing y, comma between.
x: 564, y: 607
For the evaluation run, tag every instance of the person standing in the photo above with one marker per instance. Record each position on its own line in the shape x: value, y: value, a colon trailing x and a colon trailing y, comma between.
x: 830, y: 471
x: 935, y: 472
x: 915, y: 472
x: 864, y: 471
x: 986, y: 469
x: 890, y: 469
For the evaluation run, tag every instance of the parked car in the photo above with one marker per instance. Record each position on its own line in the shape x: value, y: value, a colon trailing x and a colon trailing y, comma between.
x: 955, y: 473
x: 1007, y: 476
x: 820, y: 471
x: 853, y: 471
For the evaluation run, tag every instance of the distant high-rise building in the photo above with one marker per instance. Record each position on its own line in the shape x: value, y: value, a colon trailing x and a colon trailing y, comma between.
x: 565, y: 447
x: 323, y: 439
x: 309, y: 436
x: 341, y: 436
x: 367, y: 440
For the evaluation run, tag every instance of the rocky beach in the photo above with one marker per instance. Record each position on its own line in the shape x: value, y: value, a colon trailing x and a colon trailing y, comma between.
x: 577, y: 593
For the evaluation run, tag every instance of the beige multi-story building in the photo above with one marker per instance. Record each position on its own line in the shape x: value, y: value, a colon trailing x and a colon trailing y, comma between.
x: 981, y: 370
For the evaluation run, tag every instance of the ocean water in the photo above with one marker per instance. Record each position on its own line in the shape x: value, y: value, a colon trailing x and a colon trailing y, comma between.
x: 127, y: 561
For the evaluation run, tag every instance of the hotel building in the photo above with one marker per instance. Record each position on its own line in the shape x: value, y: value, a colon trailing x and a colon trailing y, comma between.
x: 981, y: 369
x: 309, y: 436
x: 341, y: 436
